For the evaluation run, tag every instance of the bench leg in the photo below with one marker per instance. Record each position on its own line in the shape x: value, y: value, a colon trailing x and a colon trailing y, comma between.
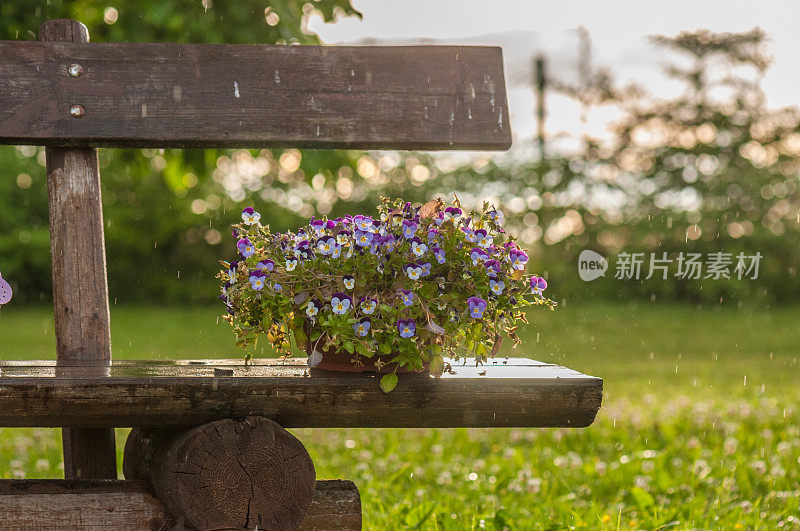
x: 80, y: 287
x: 226, y: 474
x: 89, y: 453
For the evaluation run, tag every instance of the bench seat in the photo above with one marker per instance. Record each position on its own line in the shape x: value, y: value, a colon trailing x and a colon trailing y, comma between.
x: 511, y: 392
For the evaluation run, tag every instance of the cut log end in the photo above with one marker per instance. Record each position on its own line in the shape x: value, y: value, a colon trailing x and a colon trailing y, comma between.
x: 226, y: 474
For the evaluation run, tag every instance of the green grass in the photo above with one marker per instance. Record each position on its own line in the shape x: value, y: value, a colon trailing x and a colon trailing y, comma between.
x: 700, y: 426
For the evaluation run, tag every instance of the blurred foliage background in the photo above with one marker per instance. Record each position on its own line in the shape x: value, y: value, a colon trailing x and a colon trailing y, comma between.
x: 710, y: 170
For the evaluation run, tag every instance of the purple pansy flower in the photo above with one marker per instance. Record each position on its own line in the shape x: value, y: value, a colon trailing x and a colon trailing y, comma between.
x: 409, y: 229
x: 413, y: 271
x: 478, y: 255
x: 492, y: 268
x: 426, y: 269
x: 439, y: 254
x: 469, y: 233
x: 518, y: 260
x: 538, y: 285
x: 343, y: 238
x: 496, y: 215
x: 418, y: 248
x: 363, y: 239
x: 303, y: 250
x: 246, y: 247
x: 439, y: 219
x: 497, y: 286
x: 318, y: 226
x: 476, y: 307
x: 407, y: 296
x: 363, y: 223
x: 250, y: 216
x: 312, y: 309
x: 232, y: 271
x: 368, y: 305
x: 257, y: 279
x: 389, y: 243
x: 361, y: 328
x: 277, y: 287
x: 433, y: 235
x: 406, y: 327
x: 325, y: 245
x: 349, y: 282
x: 267, y: 265
x: 483, y: 238
x: 337, y: 251
x: 340, y: 303
x: 452, y: 213
x: 291, y: 263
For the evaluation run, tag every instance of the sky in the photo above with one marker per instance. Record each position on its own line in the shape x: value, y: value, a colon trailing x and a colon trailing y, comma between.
x: 618, y: 30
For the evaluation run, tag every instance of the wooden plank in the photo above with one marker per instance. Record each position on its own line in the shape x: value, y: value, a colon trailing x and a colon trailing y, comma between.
x: 112, y: 504
x: 221, y: 95
x: 80, y: 288
x: 512, y: 392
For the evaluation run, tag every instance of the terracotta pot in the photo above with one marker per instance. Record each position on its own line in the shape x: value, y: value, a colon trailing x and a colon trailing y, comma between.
x: 339, y: 361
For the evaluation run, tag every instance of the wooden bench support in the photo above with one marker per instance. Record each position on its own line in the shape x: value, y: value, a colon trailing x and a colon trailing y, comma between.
x: 248, y: 474
x: 80, y: 287
x: 513, y: 392
x: 112, y: 504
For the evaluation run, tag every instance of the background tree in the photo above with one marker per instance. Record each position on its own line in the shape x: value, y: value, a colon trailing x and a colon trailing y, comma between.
x: 710, y: 170
x: 167, y: 212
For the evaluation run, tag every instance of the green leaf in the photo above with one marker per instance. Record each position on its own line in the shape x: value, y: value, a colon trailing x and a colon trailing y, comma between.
x: 388, y: 382
x: 437, y: 366
x: 349, y: 346
x: 386, y: 348
x: 300, y: 337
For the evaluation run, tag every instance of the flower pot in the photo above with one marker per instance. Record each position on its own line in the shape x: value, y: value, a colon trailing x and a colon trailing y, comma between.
x: 341, y: 361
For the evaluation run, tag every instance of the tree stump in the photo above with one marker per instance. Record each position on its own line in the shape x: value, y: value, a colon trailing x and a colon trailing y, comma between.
x: 226, y: 474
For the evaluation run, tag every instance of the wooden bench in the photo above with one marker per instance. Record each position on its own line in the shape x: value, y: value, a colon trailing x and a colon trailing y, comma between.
x: 209, y: 447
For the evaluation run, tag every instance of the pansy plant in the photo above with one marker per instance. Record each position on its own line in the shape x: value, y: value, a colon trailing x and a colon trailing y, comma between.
x: 406, y: 288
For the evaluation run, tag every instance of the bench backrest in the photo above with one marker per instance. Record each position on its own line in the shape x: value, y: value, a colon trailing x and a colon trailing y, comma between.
x: 72, y: 96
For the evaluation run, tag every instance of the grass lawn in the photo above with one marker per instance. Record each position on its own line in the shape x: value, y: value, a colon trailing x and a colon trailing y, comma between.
x: 700, y: 426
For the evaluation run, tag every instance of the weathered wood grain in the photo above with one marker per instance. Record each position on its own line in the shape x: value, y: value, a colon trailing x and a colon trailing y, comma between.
x: 252, y: 474
x: 512, y: 392
x: 112, y: 504
x: 80, y: 288
x: 220, y: 95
